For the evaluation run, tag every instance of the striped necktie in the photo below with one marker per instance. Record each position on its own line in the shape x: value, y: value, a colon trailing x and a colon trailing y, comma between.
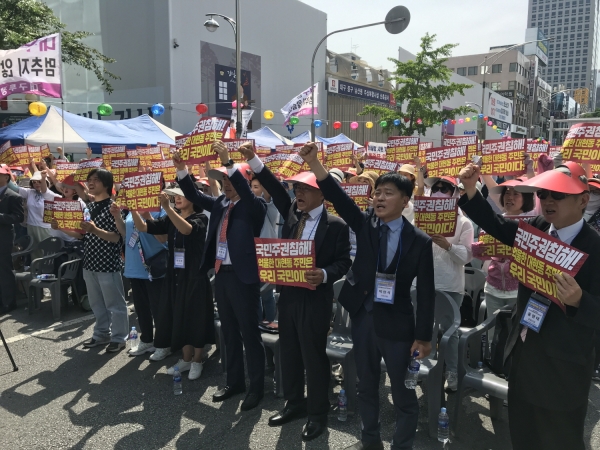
x: 301, y: 225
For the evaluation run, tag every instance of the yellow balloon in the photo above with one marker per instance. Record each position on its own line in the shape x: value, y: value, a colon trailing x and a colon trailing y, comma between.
x: 468, y: 119
x: 495, y: 126
x: 369, y: 124
x: 37, y: 108
x: 268, y: 114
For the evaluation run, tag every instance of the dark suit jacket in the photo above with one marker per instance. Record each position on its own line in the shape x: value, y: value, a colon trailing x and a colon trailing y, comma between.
x: 332, y: 242
x: 11, y: 211
x: 395, y: 322
x: 554, y: 367
x: 245, y: 222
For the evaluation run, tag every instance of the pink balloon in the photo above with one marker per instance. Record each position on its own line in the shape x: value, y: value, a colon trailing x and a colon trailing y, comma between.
x: 490, y: 123
x: 460, y: 120
x: 354, y: 125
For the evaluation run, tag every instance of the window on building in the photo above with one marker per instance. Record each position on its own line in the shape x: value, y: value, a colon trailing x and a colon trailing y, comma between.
x: 369, y: 76
x: 222, y: 90
x: 472, y: 70
x: 496, y: 86
x: 568, y: 85
x: 333, y: 66
x: 583, y: 75
x: 513, y: 67
x: 497, y: 68
x: 512, y: 85
x: 462, y: 71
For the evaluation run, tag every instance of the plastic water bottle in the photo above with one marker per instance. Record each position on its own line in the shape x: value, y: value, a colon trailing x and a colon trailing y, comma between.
x: 480, y: 366
x: 412, y: 372
x: 86, y: 215
x: 342, y: 406
x: 443, y: 426
x: 133, y: 339
x: 177, y: 386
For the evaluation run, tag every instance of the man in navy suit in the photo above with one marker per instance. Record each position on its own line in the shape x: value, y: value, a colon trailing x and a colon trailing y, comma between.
x: 236, y: 219
x: 390, y: 253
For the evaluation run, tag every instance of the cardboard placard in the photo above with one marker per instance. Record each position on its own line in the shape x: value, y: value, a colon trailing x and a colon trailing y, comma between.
x: 456, y: 141
x: 68, y: 214
x: 121, y: 167
x: 140, y: 192
x: 380, y: 166
x: 402, y: 149
x: 84, y: 168
x: 110, y: 152
x: 445, y: 160
x: 63, y: 169
x: 436, y: 215
x: 285, y: 261
x: 358, y: 192
x: 503, y: 157
x: 166, y: 167
x: 196, y: 147
x: 339, y: 156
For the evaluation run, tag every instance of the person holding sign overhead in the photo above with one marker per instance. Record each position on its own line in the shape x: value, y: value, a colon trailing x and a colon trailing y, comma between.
x: 304, y: 314
x: 553, y: 360
x: 390, y: 253
x: 237, y: 217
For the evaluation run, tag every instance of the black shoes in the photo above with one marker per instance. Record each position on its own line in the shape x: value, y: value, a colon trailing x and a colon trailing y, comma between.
x: 287, y: 414
x: 95, y: 343
x: 227, y: 392
x: 366, y: 446
x: 251, y: 401
x: 114, y: 347
x: 313, y: 430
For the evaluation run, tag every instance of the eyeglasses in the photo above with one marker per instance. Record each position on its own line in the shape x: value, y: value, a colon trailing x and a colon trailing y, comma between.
x: 303, y: 188
x: 544, y: 193
x: 444, y: 189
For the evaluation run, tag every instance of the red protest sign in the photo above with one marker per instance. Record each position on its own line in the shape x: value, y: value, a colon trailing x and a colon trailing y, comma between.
x: 340, y: 156
x: 68, y: 214
x: 84, y: 168
x: 535, y: 149
x: 380, y: 166
x: 291, y: 165
x: 402, y: 150
x: 64, y: 169
x: 21, y: 154
x: 35, y: 153
x: 360, y: 193
x: 275, y: 161
x: 166, y: 167
x: 145, y: 155
x: 321, y: 153
x: 6, y: 154
x: 232, y: 147
x: 503, y: 157
x: 196, y: 147
x: 110, y: 152
x: 45, y: 150
x: 537, y: 256
x: 121, y: 167
x: 456, y: 141
x: 141, y: 191
x: 436, y: 215
x: 285, y: 261
x: 488, y: 247
x: 263, y: 151
x: 445, y: 160
x: 166, y: 149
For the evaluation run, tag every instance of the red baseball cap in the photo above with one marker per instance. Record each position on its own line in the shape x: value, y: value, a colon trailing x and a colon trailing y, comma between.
x: 5, y: 170
x: 509, y: 183
x: 595, y: 182
x: 557, y: 180
x: 574, y: 168
x: 203, y: 181
x: 305, y: 178
x: 243, y: 168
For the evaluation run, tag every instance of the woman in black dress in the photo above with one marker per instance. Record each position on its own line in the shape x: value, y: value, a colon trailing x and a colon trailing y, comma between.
x: 186, y: 288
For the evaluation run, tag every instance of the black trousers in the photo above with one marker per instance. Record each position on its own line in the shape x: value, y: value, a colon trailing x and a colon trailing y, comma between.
x: 368, y: 351
x: 239, y: 306
x: 8, y: 283
x: 304, y: 319
x: 146, y: 299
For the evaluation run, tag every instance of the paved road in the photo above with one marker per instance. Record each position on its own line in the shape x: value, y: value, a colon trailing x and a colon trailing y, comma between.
x: 64, y: 396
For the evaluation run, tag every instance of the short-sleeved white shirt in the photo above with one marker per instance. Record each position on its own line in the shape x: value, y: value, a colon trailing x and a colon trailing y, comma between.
x: 35, y: 205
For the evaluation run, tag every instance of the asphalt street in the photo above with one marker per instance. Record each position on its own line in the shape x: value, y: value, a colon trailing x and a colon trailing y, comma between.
x: 66, y: 397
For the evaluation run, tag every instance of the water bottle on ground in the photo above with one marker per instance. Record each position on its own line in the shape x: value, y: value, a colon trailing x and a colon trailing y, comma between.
x: 480, y: 366
x: 133, y: 339
x: 177, y: 386
x: 412, y: 372
x: 342, y: 406
x: 443, y: 426
x: 86, y: 215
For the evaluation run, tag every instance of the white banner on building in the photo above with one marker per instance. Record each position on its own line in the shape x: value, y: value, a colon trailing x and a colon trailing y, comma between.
x: 246, y: 116
x: 500, y: 108
x: 32, y: 68
x: 301, y: 104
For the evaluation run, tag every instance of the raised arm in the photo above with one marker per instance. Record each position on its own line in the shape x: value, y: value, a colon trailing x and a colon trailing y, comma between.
x: 119, y: 222
x: 187, y: 185
x: 182, y: 225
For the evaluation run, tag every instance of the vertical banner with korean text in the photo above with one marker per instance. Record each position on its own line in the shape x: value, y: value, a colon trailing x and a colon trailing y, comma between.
x: 503, y: 157
x: 195, y: 148
x: 445, y: 160
x: 436, y: 215
x: 285, y: 261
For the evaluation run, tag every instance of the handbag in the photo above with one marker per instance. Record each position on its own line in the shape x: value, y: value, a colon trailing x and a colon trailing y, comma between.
x: 156, y: 265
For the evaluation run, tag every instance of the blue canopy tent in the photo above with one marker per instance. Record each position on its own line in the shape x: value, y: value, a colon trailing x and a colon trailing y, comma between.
x: 339, y: 139
x: 265, y: 137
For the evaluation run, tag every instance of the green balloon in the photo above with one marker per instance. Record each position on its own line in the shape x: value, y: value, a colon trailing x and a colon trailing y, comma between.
x: 474, y: 117
x: 105, y: 109
x: 294, y: 120
x: 383, y: 124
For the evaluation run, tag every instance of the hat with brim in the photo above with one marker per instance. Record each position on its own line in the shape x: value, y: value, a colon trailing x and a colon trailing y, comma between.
x: 305, y: 178
x: 202, y: 182
x: 508, y: 183
x: 337, y: 174
x: 219, y: 172
x: 350, y: 171
x: 4, y: 170
x: 575, y: 169
x: 553, y: 180
x: 70, y: 182
x: 37, y: 176
x: 429, y: 182
x: 594, y: 182
x: 174, y: 191
x: 407, y: 168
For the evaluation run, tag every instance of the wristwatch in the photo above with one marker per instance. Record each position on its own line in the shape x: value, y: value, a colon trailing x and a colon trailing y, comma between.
x: 229, y: 164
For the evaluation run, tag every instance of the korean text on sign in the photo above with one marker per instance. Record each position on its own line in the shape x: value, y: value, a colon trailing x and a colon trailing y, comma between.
x: 121, y: 167
x: 380, y: 166
x: 285, y: 261
x: 21, y: 154
x: 6, y: 154
x: 376, y: 150
x: 275, y: 161
x: 110, y: 152
x: 537, y: 256
x: 232, y: 147
x: 197, y: 147
x: 84, y: 168
x: 141, y: 191
x: 503, y: 157
x: 582, y: 143
x: 64, y: 169
x: 456, y: 141
x: 146, y: 155
x: 340, y: 156
x: 436, y: 215
x: 402, y: 150
x: 166, y: 167
x: 360, y: 193
x: 68, y: 214
x: 321, y: 153
x: 488, y: 247
x: 446, y: 160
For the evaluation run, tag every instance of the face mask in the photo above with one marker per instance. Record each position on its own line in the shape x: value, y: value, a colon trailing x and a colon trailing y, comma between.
x: 439, y: 194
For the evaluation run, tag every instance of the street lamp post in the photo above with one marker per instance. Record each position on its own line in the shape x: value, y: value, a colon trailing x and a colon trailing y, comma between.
x: 396, y: 21
x: 212, y: 25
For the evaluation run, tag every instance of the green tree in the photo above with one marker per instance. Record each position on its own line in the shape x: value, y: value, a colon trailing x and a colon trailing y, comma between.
x: 595, y: 113
x: 422, y: 84
x: 22, y: 21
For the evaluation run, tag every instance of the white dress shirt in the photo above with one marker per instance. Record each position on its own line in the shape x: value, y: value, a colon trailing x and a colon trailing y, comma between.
x: 567, y: 234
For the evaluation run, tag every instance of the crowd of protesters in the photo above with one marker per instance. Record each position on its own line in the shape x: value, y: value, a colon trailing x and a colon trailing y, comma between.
x: 210, y: 222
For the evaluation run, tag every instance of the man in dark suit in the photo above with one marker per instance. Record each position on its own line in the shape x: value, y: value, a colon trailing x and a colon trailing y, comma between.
x: 551, y: 370
x: 11, y: 213
x: 304, y: 314
x: 236, y: 218
x: 390, y: 253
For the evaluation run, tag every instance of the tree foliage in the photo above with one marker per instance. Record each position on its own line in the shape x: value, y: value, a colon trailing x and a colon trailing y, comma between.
x: 422, y: 85
x: 22, y: 21
x: 595, y: 113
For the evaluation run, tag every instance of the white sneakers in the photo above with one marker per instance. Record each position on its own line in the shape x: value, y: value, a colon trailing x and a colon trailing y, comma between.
x: 195, y: 371
x: 142, y: 348
x: 160, y: 354
x: 451, y: 381
x: 194, y: 368
x: 183, y: 367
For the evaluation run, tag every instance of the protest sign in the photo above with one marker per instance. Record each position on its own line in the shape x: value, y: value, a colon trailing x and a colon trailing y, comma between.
x: 121, y: 167
x: 503, y: 157
x: 339, y: 156
x: 402, y: 150
x: 6, y: 154
x: 489, y: 247
x: 145, y: 155
x: 582, y: 145
x: 321, y: 155
x: 285, y: 261
x: 436, y: 215
x: 68, y: 214
x: 197, y: 147
x: 456, y: 141
x: 110, y: 152
x: 291, y: 165
x: 167, y: 149
x: 64, y: 169
x: 263, y: 151
x: 535, y: 148
x: 166, y: 167
x: 232, y: 147
x: 445, y: 160
x: 375, y: 150
x: 45, y: 150
x: 275, y: 161
x: 141, y: 191
x: 35, y: 153
x: 537, y: 256
x: 32, y: 68
x: 380, y: 166
x: 84, y: 168
x: 21, y: 154
x: 358, y: 192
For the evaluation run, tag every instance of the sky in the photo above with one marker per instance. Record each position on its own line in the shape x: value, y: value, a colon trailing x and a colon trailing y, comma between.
x: 474, y: 24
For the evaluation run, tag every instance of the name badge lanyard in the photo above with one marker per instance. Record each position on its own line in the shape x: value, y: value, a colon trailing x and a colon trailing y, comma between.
x: 385, y: 283
x: 135, y: 235
x: 222, y: 245
x: 317, y: 219
x: 178, y: 253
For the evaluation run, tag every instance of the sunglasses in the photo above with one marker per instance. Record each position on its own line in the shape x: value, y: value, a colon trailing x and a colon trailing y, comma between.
x: 303, y: 188
x: 444, y: 189
x: 544, y: 193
